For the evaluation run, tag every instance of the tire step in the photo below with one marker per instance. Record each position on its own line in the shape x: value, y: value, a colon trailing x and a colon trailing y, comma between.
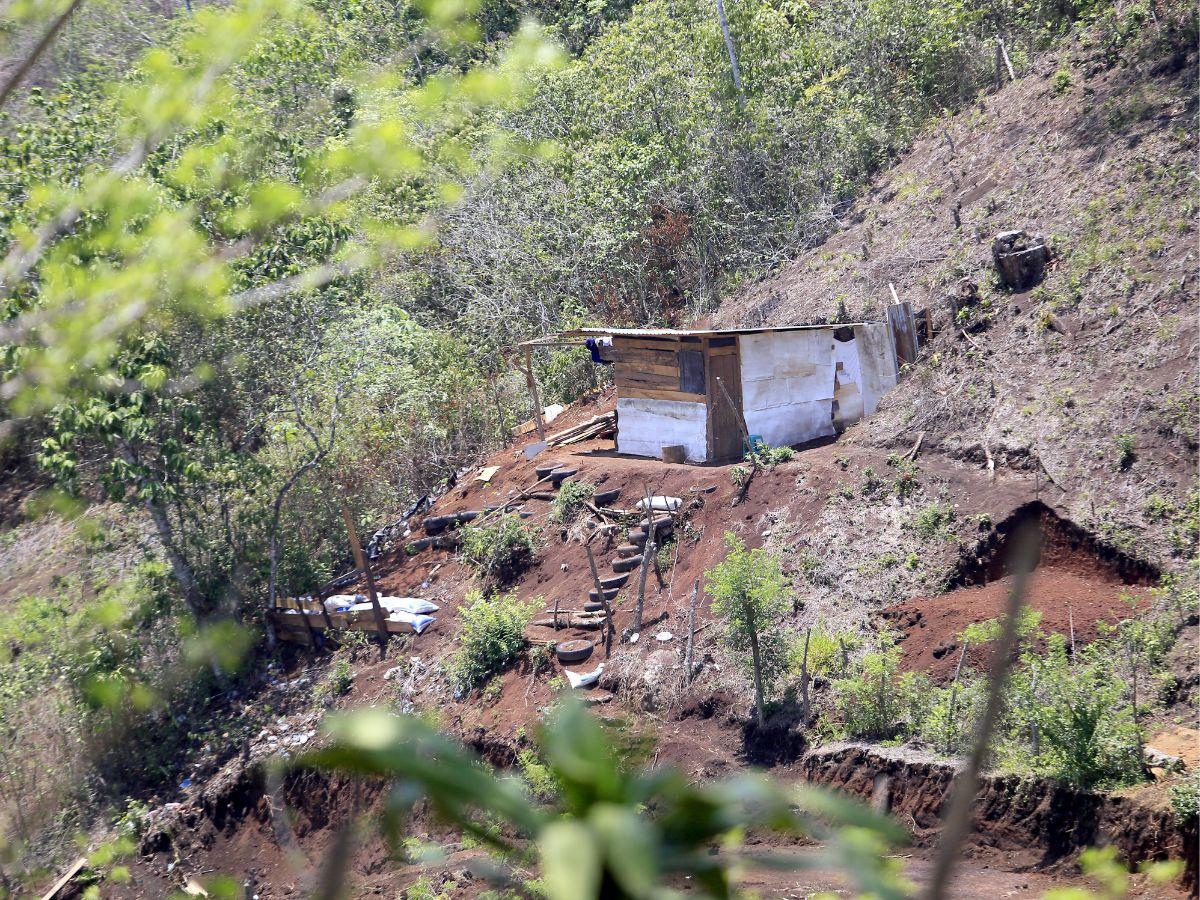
x: 545, y: 469
x: 604, y: 498
x: 628, y: 550
x: 628, y: 564
x: 438, y: 524
x: 559, y: 475
x: 659, y: 523
x: 468, y: 516
x: 608, y: 595
x: 418, y: 545
x: 613, y: 581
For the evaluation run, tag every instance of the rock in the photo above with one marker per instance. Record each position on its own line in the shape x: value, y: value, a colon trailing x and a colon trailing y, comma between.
x: 1157, y: 759
x: 1019, y: 258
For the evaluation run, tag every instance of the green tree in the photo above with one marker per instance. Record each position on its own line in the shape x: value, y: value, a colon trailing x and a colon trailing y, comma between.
x: 747, y: 588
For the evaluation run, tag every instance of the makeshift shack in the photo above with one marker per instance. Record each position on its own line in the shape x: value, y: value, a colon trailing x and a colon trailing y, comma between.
x: 696, y: 388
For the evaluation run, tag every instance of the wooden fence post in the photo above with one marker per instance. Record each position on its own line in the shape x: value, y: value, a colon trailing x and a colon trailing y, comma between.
x: 361, y: 561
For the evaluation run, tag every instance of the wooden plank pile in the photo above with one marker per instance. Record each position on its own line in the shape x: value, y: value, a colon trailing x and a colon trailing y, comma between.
x: 602, y: 426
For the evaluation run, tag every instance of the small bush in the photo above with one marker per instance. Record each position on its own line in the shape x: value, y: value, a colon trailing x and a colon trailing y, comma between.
x: 501, y: 549
x: 568, y: 504
x: 1185, y: 798
x: 949, y: 724
x: 537, y: 775
x: 337, y: 682
x: 1062, y: 81
x: 1124, y: 447
x: 879, y: 701
x: 906, y: 482
x: 828, y: 652
x: 934, y: 521
x: 772, y: 456
x: 492, y: 636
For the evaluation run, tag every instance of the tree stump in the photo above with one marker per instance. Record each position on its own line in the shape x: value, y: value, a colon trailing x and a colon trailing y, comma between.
x: 1020, y: 259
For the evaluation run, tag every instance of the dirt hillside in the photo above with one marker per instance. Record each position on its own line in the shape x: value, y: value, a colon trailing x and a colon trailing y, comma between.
x: 1018, y: 407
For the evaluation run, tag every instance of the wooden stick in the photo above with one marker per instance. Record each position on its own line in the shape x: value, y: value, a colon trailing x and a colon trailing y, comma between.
x: 648, y: 552
x: 691, y: 629
x: 66, y: 879
x: 537, y: 403
x: 361, y: 562
x: 609, y: 629
x: 916, y: 448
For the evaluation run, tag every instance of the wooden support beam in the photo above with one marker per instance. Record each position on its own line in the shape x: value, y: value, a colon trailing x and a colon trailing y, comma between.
x: 361, y: 561
x: 533, y: 392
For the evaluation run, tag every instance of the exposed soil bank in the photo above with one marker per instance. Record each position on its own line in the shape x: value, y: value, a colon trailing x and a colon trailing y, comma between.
x: 1038, y: 824
x: 1077, y: 584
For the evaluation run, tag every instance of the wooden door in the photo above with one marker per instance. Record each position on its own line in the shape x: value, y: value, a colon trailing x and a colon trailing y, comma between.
x: 724, y: 422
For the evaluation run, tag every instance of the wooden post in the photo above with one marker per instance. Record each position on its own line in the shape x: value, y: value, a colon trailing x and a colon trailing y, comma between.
x: 312, y: 632
x: 608, y: 622
x: 361, y: 561
x: 321, y: 598
x: 648, y: 551
x: 533, y: 392
x: 691, y: 628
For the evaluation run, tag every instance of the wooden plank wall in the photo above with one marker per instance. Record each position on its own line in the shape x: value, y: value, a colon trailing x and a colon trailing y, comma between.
x: 648, y: 368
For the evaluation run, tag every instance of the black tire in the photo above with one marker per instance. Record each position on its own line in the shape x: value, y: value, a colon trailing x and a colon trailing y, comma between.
x: 574, y: 651
x: 465, y: 517
x: 614, y: 581
x: 593, y: 606
x: 604, y: 498
x: 609, y: 594
x: 628, y: 564
x: 627, y: 550
x: 438, y: 524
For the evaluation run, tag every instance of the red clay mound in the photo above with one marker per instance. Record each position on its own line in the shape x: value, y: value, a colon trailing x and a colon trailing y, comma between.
x: 1076, y: 581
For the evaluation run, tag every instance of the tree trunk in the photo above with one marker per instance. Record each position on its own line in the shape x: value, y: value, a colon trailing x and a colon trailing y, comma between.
x: 733, y: 63
x: 179, y: 566
x: 758, y: 687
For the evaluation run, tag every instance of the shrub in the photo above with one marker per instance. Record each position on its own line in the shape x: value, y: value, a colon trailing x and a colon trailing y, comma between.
x: 950, y: 721
x: 492, y: 635
x: 934, y: 521
x: 337, y: 682
x: 1077, y: 711
x: 768, y: 456
x: 501, y: 549
x: 1185, y: 798
x: 828, y: 652
x: 879, y: 701
x: 568, y: 504
x: 1124, y: 447
x: 1062, y: 81
x: 906, y: 482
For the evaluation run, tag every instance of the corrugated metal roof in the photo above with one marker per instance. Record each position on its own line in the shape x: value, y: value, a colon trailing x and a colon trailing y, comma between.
x: 700, y: 332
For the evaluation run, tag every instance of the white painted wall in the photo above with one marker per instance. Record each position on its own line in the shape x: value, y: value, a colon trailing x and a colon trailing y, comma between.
x: 644, y: 427
x: 787, y: 384
x: 877, y: 363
